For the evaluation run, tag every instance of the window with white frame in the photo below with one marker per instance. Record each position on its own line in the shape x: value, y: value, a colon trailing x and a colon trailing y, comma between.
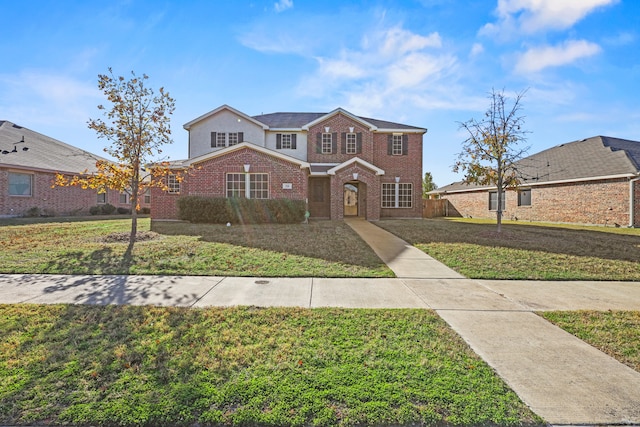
x: 493, y: 201
x: 397, y: 195
x: 221, y: 139
x: 20, y: 184
x: 286, y: 141
x: 396, y: 145
x: 351, y: 143
x: 327, y: 142
x: 233, y: 138
x: 147, y: 196
x: 249, y: 185
x: 236, y: 185
x: 124, y: 198
x: 258, y: 186
x: 173, y: 184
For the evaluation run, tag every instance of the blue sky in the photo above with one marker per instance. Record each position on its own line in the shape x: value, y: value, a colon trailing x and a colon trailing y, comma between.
x: 427, y: 63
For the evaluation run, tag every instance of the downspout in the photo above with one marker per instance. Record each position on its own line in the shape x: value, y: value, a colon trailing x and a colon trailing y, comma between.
x: 632, y: 202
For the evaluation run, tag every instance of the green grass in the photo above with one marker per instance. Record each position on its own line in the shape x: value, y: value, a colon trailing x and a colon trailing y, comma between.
x: 525, y: 250
x: 67, y: 246
x: 133, y: 366
x: 616, y: 333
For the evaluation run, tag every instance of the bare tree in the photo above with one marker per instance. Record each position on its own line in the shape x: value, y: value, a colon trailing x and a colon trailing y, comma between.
x: 490, y: 153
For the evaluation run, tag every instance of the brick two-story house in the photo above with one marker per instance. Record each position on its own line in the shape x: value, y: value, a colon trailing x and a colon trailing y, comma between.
x: 339, y: 163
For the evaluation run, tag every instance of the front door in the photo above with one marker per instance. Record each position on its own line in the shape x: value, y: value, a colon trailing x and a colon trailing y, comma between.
x: 351, y: 199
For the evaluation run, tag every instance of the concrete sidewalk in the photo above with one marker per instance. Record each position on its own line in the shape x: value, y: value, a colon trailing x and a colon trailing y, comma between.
x: 562, y: 379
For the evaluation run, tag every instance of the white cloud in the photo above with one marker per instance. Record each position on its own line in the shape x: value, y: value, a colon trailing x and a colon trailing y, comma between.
x: 283, y: 5
x: 539, y: 58
x: 476, y: 49
x: 530, y: 16
x: 400, y: 41
x: 48, y: 97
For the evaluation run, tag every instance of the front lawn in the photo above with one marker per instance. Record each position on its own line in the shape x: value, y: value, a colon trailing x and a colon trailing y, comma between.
x: 134, y: 366
x: 97, y: 246
x: 525, y: 250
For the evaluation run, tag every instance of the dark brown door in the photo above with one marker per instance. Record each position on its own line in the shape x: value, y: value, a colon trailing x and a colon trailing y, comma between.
x: 319, y: 198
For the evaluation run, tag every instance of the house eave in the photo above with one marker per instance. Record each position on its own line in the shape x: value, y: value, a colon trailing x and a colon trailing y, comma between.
x: 246, y: 145
x: 337, y: 111
x: 188, y: 125
x: 353, y: 160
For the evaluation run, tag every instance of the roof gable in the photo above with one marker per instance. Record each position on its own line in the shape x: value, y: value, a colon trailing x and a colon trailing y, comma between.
x: 354, y: 160
x: 335, y: 113
x: 211, y: 113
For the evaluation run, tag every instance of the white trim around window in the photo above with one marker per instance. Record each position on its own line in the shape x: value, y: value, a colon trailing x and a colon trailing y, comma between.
x: 248, y: 185
x: 397, y: 195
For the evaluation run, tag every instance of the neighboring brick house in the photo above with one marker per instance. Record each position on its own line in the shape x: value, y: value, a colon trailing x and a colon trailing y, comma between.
x: 29, y: 162
x: 339, y: 163
x: 591, y: 181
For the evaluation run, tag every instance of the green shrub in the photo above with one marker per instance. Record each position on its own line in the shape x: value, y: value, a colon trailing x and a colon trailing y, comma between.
x: 107, y: 209
x: 221, y: 210
x: 144, y: 211
x: 95, y: 210
x: 33, y: 212
x: 123, y: 211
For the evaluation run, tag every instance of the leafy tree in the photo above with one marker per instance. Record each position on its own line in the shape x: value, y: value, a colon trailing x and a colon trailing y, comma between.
x: 428, y: 185
x: 137, y: 124
x: 490, y: 153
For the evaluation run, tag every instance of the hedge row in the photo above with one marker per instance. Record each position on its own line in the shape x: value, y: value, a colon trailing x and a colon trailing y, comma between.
x: 219, y: 210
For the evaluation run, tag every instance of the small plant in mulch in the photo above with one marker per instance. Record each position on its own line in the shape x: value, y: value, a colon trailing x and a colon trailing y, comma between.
x: 141, y: 236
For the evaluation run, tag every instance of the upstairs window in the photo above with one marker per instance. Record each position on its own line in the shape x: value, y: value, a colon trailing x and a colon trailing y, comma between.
x: 101, y: 198
x: 147, y: 196
x: 398, y: 145
x: 351, y: 147
x: 221, y: 139
x: 226, y: 139
x: 327, y: 143
x: 233, y: 138
x: 286, y: 141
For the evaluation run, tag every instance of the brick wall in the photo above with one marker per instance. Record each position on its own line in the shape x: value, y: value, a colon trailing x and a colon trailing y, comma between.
x: 339, y: 124
x: 408, y: 167
x: 209, y: 179
x: 593, y: 202
x: 368, y: 192
x: 58, y: 201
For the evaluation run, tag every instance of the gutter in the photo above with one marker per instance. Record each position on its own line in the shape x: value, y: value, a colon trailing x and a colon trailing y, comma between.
x: 632, y: 202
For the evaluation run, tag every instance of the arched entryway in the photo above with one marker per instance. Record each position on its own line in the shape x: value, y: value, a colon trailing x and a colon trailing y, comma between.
x: 354, y: 199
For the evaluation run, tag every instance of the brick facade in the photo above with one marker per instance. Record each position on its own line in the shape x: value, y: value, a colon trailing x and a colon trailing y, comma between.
x: 58, y: 201
x: 209, y: 178
x: 290, y: 169
x: 603, y: 202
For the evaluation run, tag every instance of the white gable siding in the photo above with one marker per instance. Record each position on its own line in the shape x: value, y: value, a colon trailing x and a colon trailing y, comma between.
x: 224, y: 121
x: 301, y: 144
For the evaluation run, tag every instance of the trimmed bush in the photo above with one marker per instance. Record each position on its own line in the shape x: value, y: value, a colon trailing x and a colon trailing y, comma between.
x: 33, y: 212
x: 95, y: 210
x: 107, y: 209
x: 123, y: 211
x: 221, y: 210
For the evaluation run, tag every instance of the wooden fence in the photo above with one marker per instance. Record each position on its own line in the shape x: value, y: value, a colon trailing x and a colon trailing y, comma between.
x: 433, y: 208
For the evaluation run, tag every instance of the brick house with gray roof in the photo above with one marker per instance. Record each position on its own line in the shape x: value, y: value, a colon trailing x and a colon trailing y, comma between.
x: 29, y: 162
x: 590, y: 181
x: 339, y: 163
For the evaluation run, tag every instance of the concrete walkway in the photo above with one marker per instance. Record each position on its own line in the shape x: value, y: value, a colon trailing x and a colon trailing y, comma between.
x: 562, y: 379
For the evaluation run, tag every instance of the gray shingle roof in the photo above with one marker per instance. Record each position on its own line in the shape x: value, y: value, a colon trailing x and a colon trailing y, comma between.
x: 43, y: 152
x: 297, y: 120
x: 598, y: 156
